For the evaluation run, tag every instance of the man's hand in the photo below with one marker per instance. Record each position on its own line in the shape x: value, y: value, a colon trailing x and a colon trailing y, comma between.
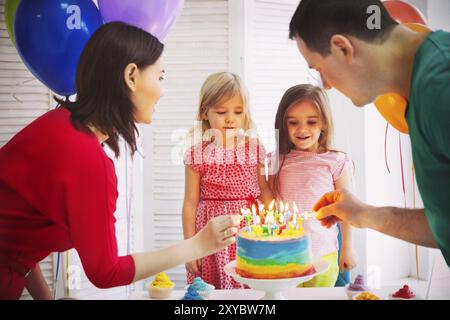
x: 339, y: 205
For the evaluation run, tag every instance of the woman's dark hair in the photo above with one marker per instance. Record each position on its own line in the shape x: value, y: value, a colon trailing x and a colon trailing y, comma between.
x: 316, y: 21
x: 102, y: 95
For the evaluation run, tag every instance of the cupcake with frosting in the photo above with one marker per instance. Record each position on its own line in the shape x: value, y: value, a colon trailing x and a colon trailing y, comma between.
x: 358, y: 286
x: 192, y: 294
x: 203, y: 288
x: 404, y: 293
x: 365, y: 295
x: 161, y: 287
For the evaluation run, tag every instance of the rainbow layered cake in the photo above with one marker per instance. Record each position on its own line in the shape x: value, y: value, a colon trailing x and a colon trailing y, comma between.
x: 273, y: 248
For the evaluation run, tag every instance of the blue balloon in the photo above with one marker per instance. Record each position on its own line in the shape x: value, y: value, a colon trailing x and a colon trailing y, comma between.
x: 50, y: 36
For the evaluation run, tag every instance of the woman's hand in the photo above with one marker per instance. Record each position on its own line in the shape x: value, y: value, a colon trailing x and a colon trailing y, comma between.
x: 348, y: 259
x: 217, y: 234
x: 194, y: 267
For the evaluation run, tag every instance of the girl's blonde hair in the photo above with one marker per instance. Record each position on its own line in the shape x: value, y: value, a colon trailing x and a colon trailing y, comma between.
x: 216, y: 89
x: 293, y: 96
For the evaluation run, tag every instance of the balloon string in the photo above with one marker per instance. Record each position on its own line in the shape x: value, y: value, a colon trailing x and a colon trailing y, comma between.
x: 414, y: 206
x: 401, y: 166
x: 385, y: 147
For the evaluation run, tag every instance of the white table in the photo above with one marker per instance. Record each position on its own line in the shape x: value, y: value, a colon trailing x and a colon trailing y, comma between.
x: 290, y: 294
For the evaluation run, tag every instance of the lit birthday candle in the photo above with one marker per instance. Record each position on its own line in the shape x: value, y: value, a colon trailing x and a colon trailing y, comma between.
x: 272, y: 228
x: 288, y: 212
x: 295, y: 209
x: 254, y: 210
x: 261, y: 208
x: 258, y: 221
x: 271, y: 205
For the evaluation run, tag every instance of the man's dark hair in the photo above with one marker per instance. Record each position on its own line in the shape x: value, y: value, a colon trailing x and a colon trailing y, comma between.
x: 102, y: 95
x: 316, y: 21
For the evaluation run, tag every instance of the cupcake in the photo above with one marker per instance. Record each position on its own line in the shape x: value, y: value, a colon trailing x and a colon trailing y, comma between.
x: 161, y: 287
x: 404, y: 293
x: 358, y: 286
x: 192, y: 294
x: 365, y: 295
x: 203, y: 288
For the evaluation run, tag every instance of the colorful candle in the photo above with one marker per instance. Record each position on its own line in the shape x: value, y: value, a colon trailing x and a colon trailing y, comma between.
x: 265, y: 230
x: 272, y: 228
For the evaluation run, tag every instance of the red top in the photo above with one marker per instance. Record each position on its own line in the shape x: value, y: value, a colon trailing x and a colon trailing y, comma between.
x: 58, y: 191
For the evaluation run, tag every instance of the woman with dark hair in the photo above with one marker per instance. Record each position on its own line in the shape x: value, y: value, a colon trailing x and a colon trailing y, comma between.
x: 58, y: 188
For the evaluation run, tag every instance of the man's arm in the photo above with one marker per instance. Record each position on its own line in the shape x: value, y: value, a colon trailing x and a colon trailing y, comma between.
x: 410, y: 225
x: 407, y: 224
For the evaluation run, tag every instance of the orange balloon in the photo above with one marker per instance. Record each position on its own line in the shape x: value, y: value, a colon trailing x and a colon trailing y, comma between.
x: 417, y: 27
x: 392, y: 106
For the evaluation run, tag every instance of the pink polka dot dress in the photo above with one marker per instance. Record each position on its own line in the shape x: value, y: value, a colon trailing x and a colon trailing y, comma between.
x: 229, y: 181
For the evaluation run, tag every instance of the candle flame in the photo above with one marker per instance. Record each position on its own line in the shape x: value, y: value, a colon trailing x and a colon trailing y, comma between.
x: 242, y: 211
x: 272, y: 203
x: 253, y: 209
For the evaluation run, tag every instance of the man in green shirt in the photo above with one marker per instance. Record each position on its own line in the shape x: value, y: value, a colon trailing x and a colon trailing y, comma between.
x: 363, y: 62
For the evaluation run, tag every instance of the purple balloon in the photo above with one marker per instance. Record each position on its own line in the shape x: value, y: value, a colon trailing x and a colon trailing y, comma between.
x: 154, y: 16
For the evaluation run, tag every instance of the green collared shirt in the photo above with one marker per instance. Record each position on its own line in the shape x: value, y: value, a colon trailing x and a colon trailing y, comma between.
x: 428, y: 117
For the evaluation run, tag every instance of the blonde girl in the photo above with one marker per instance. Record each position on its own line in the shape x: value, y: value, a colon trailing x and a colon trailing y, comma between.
x: 222, y: 170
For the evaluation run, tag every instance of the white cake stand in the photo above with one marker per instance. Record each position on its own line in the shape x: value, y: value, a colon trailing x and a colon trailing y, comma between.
x: 274, y: 287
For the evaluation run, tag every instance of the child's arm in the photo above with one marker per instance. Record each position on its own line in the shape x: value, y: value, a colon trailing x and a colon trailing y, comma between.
x: 191, y: 199
x: 348, y: 259
x: 190, y: 203
x: 266, y: 193
x: 37, y: 286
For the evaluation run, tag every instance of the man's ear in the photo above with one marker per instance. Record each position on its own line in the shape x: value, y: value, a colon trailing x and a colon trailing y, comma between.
x: 341, y: 46
x: 130, y: 74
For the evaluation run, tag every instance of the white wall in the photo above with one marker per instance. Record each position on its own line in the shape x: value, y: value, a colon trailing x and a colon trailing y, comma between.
x: 349, y: 127
x: 386, y: 255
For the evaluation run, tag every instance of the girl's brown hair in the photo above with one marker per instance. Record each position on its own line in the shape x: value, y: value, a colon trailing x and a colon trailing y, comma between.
x: 103, y: 100
x: 293, y: 96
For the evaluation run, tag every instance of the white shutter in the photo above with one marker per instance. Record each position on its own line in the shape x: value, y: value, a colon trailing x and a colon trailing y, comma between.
x: 274, y: 63
x: 22, y: 99
x: 196, y: 47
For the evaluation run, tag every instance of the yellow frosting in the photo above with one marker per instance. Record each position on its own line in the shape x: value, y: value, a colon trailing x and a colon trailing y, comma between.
x: 367, y: 296
x: 162, y: 281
